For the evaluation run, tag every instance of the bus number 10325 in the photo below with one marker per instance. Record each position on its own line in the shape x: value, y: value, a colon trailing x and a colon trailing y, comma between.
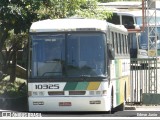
x: 47, y: 86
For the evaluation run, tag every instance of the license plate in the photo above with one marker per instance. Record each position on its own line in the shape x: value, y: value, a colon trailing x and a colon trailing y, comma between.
x: 65, y: 104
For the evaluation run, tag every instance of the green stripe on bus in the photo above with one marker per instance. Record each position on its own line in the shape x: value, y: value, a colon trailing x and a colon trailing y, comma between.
x: 70, y: 86
x: 117, y: 67
x: 82, y: 85
x: 118, y: 91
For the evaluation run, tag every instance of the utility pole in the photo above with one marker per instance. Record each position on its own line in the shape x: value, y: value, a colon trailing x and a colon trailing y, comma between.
x: 151, y: 27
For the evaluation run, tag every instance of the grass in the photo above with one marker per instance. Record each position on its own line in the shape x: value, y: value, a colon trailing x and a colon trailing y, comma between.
x: 8, y: 89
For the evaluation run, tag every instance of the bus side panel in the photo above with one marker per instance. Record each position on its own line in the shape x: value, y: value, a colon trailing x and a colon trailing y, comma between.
x: 122, y: 79
x: 127, y: 74
x: 114, y: 79
x: 117, y: 67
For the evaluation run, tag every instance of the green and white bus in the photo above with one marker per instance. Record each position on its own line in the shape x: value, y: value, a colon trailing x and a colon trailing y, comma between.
x: 78, y: 65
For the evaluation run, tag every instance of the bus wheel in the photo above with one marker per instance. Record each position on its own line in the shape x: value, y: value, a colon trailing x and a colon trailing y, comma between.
x: 121, y: 107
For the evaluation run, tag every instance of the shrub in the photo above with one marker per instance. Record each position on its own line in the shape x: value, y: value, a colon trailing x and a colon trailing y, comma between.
x: 16, y: 89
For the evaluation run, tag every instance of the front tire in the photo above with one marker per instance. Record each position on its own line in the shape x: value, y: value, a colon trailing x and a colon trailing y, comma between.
x: 121, y: 107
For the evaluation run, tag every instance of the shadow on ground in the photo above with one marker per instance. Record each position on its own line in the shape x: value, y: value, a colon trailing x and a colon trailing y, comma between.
x: 15, y: 104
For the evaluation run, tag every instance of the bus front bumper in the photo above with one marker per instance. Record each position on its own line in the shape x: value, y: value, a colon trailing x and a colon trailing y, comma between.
x: 69, y: 103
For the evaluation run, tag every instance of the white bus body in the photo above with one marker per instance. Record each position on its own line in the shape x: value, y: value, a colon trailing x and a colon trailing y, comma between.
x: 59, y: 75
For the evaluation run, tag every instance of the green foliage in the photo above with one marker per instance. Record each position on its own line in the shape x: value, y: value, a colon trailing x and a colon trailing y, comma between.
x: 58, y: 8
x: 66, y: 8
x: 17, y: 14
x: 91, y: 10
x: 16, y: 17
x: 16, y: 41
x: 8, y: 89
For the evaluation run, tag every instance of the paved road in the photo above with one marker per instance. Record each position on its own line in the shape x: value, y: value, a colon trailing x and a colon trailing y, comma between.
x: 140, y: 111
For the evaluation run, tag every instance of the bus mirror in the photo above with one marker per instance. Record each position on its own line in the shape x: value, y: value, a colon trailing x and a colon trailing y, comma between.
x: 111, y: 52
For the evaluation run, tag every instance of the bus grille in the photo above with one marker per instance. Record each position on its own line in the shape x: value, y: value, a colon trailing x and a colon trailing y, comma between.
x: 56, y: 93
x: 77, y: 92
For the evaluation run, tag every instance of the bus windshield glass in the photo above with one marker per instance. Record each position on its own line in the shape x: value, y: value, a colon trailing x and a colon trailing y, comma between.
x: 72, y: 55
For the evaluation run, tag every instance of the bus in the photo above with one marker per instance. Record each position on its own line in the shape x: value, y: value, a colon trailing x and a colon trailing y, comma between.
x: 78, y: 65
x: 132, y: 19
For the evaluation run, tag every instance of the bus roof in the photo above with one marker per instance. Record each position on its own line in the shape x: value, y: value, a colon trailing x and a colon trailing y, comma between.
x: 67, y: 25
x: 59, y: 25
x: 136, y: 12
x: 119, y: 28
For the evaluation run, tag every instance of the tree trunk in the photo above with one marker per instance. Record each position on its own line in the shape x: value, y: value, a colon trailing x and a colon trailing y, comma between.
x: 4, y: 63
x: 13, y: 67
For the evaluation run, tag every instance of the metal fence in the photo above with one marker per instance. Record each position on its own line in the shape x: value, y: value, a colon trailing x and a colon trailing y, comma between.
x: 143, y: 76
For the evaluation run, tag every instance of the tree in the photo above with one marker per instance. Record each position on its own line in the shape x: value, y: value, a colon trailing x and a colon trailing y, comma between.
x: 51, y: 9
x: 16, y: 17
x: 13, y: 43
x: 91, y: 10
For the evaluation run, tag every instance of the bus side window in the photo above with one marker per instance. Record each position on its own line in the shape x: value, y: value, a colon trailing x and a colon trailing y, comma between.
x: 117, y: 44
x: 120, y: 44
x: 123, y: 44
x: 113, y: 39
x: 127, y: 46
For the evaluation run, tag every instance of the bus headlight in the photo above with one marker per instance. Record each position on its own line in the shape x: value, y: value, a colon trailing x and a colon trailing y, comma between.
x: 104, y: 92
x: 98, y: 92
x: 29, y: 93
x: 36, y: 93
x: 91, y: 92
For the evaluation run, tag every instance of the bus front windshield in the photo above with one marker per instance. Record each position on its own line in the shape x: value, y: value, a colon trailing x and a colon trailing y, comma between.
x: 72, y: 55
